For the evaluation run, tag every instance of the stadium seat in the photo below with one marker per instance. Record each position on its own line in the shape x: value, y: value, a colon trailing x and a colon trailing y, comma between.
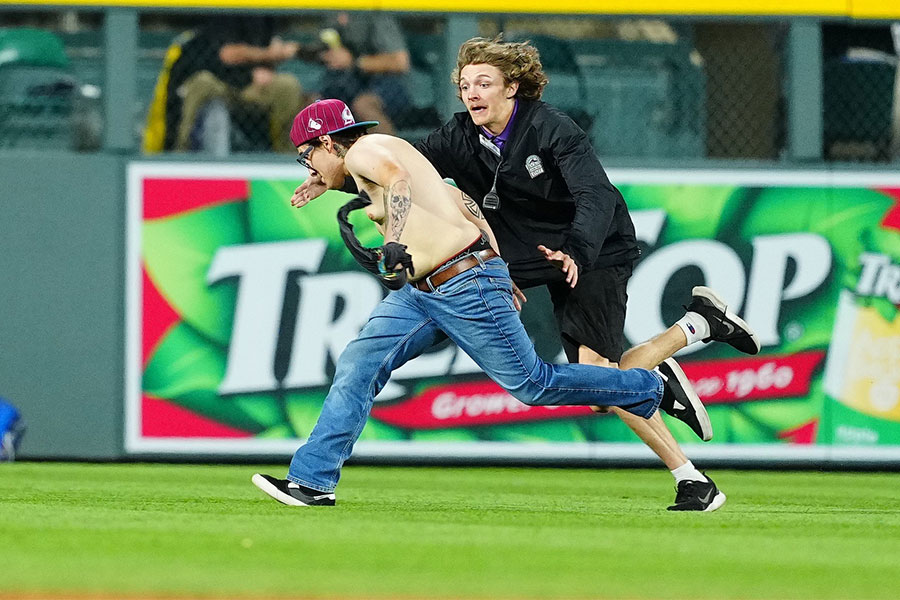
x: 647, y: 99
x: 858, y: 100
x: 306, y: 68
x: 36, y: 47
x: 425, y: 64
x: 309, y: 74
x: 426, y: 83
x: 85, y: 52
x: 568, y: 87
x: 37, y: 90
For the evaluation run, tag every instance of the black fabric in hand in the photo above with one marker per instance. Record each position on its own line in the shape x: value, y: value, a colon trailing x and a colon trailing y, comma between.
x: 374, y: 259
x: 366, y: 257
x: 392, y: 255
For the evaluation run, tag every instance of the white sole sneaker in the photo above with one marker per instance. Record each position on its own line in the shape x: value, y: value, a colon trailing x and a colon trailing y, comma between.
x: 277, y: 489
x: 699, y: 410
x: 717, y: 503
x: 701, y: 291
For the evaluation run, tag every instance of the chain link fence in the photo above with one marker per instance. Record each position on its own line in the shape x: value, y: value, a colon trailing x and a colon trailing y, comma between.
x: 653, y: 88
x: 643, y: 88
x: 861, y: 92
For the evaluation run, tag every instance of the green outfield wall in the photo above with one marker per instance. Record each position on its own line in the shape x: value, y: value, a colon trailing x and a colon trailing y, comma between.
x: 137, y: 321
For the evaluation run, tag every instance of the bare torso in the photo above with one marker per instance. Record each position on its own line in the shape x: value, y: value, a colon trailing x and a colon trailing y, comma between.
x: 435, y: 229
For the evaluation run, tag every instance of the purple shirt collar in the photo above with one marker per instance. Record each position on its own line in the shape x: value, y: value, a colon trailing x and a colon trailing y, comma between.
x: 500, y: 140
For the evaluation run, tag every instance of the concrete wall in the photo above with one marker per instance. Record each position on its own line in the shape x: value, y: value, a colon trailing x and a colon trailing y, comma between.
x: 61, y: 301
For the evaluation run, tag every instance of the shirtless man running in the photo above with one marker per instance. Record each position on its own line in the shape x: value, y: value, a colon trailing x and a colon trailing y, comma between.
x: 458, y: 287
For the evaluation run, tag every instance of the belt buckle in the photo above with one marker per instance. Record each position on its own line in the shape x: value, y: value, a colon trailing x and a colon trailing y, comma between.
x: 476, y: 255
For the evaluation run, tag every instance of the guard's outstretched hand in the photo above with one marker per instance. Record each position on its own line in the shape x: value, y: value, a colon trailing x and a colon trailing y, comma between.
x: 565, y: 263
x: 518, y: 297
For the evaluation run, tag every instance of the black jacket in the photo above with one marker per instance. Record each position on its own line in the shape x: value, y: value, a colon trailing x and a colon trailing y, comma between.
x: 553, y: 191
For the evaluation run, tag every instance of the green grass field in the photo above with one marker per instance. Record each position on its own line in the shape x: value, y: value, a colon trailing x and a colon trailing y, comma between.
x: 151, y: 531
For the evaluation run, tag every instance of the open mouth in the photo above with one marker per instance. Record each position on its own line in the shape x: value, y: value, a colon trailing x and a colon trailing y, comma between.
x: 477, y: 109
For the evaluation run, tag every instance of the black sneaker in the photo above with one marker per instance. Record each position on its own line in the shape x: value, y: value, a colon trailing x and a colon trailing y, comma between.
x: 288, y: 492
x: 681, y: 401
x: 724, y: 326
x: 698, y: 495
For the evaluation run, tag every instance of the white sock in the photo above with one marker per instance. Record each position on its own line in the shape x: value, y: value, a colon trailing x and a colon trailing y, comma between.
x: 694, y: 326
x: 688, y: 472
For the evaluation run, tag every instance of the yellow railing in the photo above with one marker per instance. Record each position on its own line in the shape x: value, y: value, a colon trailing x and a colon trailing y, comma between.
x: 859, y: 9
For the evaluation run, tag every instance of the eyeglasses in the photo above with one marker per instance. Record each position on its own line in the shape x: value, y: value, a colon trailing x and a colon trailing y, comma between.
x: 303, y: 159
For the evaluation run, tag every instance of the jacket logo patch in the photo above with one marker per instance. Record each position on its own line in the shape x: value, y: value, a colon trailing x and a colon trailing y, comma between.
x: 534, y: 165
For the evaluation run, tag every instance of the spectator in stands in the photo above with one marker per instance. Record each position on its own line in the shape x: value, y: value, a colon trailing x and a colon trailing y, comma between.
x: 367, y: 65
x: 225, y: 68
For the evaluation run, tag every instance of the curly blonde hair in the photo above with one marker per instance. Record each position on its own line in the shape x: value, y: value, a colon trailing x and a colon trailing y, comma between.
x: 518, y: 61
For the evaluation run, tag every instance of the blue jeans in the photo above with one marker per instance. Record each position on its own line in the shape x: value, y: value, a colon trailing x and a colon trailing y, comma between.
x: 475, y: 310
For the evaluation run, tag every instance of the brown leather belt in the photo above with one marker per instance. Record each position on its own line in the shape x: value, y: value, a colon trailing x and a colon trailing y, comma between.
x: 431, y: 282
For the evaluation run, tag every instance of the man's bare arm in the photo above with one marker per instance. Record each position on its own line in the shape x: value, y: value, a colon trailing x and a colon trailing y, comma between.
x: 396, y: 202
x: 378, y: 165
x: 386, y: 62
x: 276, y: 52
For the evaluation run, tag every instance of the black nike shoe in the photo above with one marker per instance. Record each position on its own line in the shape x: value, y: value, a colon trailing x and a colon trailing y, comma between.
x: 681, y: 401
x: 724, y: 326
x: 698, y: 495
x: 288, y: 492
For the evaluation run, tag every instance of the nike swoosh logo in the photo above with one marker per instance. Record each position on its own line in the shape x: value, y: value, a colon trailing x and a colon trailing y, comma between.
x: 705, y: 498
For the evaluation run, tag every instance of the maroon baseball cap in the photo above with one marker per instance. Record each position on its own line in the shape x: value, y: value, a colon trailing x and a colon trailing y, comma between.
x: 323, y: 117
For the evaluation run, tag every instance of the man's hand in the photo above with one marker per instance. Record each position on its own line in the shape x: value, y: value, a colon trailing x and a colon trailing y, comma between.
x: 337, y: 59
x: 518, y: 297
x: 280, y: 50
x: 262, y: 77
x: 565, y: 262
x: 395, y: 258
x: 309, y: 190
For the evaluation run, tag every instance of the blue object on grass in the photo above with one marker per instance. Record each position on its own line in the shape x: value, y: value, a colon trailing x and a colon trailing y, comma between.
x: 11, y: 430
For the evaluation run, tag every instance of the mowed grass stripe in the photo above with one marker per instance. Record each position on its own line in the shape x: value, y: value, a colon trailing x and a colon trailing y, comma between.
x: 204, y: 530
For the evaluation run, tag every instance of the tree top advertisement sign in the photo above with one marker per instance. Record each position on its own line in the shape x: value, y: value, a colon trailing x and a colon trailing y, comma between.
x: 239, y: 305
